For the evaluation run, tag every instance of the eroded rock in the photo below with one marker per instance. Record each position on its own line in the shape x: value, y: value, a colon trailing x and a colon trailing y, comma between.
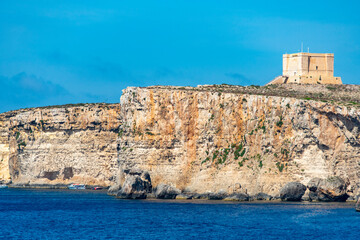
x: 114, y: 189
x: 137, y: 185
x: 262, y: 196
x: 174, y: 132
x: 332, y: 189
x: 292, y: 191
x: 164, y: 191
x: 237, y: 197
x: 217, y: 196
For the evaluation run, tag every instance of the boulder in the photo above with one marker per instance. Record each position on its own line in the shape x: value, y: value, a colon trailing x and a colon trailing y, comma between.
x: 137, y: 185
x: 292, y: 191
x: 201, y: 196
x: 237, y: 197
x: 262, y: 196
x: 164, y: 191
x: 217, y: 196
x: 313, y: 184
x: 114, y: 189
x: 196, y: 196
x: 332, y: 189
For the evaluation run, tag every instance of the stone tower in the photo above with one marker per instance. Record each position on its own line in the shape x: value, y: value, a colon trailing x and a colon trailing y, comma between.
x: 308, y: 68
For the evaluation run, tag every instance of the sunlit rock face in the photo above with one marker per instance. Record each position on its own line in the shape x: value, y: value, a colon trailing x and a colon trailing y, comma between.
x: 59, y: 145
x: 204, y: 139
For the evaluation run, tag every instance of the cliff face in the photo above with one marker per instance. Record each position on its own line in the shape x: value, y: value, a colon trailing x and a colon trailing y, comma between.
x: 203, y: 140
x: 196, y: 139
x: 60, y: 145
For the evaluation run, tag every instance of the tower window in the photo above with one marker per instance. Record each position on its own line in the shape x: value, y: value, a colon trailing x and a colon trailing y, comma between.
x: 316, y: 67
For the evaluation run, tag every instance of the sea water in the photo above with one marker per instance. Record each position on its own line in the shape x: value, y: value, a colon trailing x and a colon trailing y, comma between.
x: 83, y: 214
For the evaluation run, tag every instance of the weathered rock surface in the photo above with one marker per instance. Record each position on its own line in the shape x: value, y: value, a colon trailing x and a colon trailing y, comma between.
x: 60, y: 145
x: 201, y: 196
x: 313, y: 184
x: 237, y: 197
x: 262, y: 196
x: 292, y: 191
x: 332, y: 189
x: 114, y: 189
x: 207, y: 139
x: 202, y: 139
x: 164, y: 191
x: 218, y: 196
x: 137, y: 185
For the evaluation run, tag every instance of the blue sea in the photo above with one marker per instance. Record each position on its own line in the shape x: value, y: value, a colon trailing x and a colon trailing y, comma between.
x: 71, y: 214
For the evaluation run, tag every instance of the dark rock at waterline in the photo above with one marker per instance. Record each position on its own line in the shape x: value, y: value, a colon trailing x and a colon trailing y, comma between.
x: 262, y: 196
x: 201, y: 196
x: 332, y: 189
x: 133, y: 188
x: 237, y: 197
x: 137, y: 185
x: 313, y: 196
x: 164, y: 191
x: 150, y: 195
x: 292, y: 191
x: 217, y: 196
x: 114, y: 189
x: 313, y: 184
x: 196, y: 196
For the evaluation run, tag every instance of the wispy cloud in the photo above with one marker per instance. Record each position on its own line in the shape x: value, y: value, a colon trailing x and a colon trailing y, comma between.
x: 24, y: 90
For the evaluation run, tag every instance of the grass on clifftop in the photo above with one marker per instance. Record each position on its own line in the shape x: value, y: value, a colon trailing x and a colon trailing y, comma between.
x: 70, y: 105
x: 348, y: 95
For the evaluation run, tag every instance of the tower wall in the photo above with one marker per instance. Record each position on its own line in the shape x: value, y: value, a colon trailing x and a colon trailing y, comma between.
x: 308, y: 68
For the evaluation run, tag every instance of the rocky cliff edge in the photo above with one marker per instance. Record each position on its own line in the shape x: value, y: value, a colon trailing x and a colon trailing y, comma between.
x: 208, y: 138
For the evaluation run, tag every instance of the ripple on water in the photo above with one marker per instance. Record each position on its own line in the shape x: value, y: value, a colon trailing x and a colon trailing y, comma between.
x: 63, y: 214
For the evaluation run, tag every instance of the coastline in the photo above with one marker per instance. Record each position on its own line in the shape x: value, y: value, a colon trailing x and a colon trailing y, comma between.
x: 252, y: 199
x: 49, y: 186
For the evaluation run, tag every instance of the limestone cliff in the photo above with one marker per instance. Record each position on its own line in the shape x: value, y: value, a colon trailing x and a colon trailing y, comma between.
x: 59, y: 145
x: 208, y: 138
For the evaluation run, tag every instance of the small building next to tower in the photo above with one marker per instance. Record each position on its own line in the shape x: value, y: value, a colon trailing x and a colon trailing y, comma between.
x: 308, y: 68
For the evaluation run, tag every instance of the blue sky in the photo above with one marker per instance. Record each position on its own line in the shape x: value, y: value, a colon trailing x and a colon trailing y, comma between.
x: 58, y: 52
